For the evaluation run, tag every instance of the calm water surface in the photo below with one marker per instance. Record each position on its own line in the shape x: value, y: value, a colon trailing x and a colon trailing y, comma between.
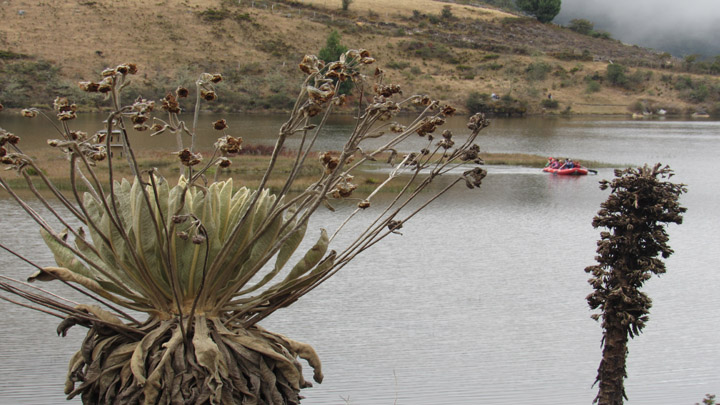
x: 482, y: 300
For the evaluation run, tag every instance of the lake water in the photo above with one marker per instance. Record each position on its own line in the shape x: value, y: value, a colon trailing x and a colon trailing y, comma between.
x: 482, y: 299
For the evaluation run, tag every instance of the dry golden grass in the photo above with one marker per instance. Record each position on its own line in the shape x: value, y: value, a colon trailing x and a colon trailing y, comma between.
x: 406, y: 7
x: 168, y: 39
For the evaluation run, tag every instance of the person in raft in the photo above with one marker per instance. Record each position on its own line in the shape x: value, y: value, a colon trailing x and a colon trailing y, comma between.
x: 553, y: 163
x: 568, y: 164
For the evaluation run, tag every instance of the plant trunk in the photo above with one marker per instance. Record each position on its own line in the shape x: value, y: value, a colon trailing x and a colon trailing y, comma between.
x: 611, y: 373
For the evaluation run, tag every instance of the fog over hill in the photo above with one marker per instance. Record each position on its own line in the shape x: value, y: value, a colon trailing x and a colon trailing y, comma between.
x: 679, y: 27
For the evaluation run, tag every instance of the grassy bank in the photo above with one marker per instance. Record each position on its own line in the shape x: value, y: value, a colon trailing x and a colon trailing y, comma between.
x: 246, y: 169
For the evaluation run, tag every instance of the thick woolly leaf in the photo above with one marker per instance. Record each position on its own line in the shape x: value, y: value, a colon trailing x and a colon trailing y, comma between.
x: 311, y: 258
x: 64, y: 274
x: 287, y: 249
x: 147, y: 245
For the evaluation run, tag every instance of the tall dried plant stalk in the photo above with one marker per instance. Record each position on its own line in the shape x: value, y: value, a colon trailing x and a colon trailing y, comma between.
x: 204, y: 260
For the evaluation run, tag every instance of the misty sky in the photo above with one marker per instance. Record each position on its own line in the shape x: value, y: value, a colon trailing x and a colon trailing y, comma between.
x: 679, y: 26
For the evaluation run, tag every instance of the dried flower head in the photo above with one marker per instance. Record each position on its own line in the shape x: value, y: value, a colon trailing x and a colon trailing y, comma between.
x: 61, y: 104
x: 29, y: 113
x: 66, y: 115
x: 397, y: 128
x: 343, y: 190
x: 321, y: 95
x: 182, y: 92
x: 340, y: 100
x: 95, y: 153
x: 446, y: 143
x: 473, y: 153
x: 143, y: 105
x: 139, y: 118
x: 208, y: 95
x: 473, y: 178
x: 229, y: 144
x: 106, y: 85
x: 387, y: 90
x: 429, y: 126
x: 219, y: 125
x: 216, y: 78
x: 337, y: 70
x: 170, y: 104
x: 422, y: 100
x: 448, y: 111
x: 125, y: 69
x: 188, y: 158
x: 311, y: 64
x: 329, y: 161
x: 477, y: 122
x: 78, y: 136
x: 311, y: 109
x: 90, y: 87
x: 224, y: 162
x: 394, y: 225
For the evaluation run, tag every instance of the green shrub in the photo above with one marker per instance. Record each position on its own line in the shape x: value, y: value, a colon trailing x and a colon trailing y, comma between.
x: 10, y: 55
x: 213, y: 14
x: 399, y: 65
x: 683, y: 83
x: 616, y: 75
x: 537, y: 71
x: 477, y: 102
x: 700, y: 93
x: 550, y: 103
x: 427, y: 50
x: 275, y: 47
x: 543, y: 10
x: 581, y: 26
x: 446, y: 13
x: 601, y: 35
x: 593, y: 86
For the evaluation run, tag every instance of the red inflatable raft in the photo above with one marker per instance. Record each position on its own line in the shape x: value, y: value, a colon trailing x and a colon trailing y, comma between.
x: 575, y: 171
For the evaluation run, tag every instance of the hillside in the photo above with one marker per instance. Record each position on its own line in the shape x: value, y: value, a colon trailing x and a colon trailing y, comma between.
x: 46, y: 47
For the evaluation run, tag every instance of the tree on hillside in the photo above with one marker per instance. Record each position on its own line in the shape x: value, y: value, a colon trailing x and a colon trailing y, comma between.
x: 331, y: 52
x: 635, y: 214
x: 616, y: 75
x: 346, y: 4
x: 543, y: 10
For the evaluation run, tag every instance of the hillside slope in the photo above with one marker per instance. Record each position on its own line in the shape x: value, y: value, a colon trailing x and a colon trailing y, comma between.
x: 46, y: 47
